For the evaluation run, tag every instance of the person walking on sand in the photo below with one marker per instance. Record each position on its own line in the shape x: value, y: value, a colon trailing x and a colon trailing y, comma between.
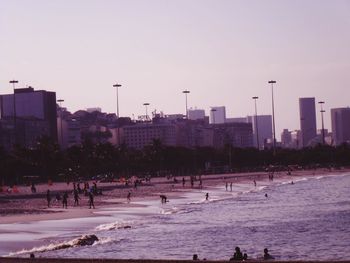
x: 207, y: 196
x: 76, y: 197
x: 48, y: 198
x: 91, y: 200
x: 129, y: 197
x: 65, y: 200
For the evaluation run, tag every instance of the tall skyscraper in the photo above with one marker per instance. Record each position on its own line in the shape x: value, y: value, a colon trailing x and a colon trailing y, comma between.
x: 218, y: 115
x: 341, y: 125
x: 263, y: 129
x: 307, y: 110
x: 29, y: 108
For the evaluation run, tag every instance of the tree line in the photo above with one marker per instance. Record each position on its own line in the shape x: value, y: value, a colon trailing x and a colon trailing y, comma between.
x: 46, y: 161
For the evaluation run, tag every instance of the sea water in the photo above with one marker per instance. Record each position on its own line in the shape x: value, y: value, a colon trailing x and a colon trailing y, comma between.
x: 307, y: 220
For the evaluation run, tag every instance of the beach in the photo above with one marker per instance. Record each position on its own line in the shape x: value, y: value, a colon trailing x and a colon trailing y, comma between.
x: 143, y: 221
x: 24, y: 206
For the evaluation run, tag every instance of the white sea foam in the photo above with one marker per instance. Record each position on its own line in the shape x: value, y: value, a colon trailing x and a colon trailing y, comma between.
x: 115, y: 225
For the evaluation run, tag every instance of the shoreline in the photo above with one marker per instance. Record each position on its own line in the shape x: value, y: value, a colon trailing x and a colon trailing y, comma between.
x: 31, y: 209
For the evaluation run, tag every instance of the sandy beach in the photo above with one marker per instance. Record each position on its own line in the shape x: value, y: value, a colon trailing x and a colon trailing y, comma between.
x: 25, y: 206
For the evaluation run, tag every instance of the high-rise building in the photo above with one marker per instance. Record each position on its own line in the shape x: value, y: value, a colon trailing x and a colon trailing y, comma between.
x: 33, y: 113
x: 218, y: 115
x: 340, y: 125
x: 263, y: 127
x: 307, y: 110
x: 286, y: 138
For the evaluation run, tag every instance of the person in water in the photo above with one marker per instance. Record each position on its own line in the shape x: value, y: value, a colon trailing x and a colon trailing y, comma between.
x: 267, y: 256
x: 195, y: 257
x: 163, y: 199
x: 237, y: 256
x: 207, y: 196
x: 266, y: 195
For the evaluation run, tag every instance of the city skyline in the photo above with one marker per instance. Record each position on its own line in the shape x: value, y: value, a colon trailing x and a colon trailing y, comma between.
x: 223, y: 53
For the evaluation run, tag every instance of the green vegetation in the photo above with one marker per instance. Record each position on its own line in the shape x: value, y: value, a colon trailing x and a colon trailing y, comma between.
x: 46, y: 161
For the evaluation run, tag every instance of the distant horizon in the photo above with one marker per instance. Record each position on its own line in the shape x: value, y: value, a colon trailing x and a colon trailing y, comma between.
x: 224, y: 52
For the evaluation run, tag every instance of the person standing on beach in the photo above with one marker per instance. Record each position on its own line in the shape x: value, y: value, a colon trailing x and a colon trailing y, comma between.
x: 231, y: 186
x: 48, y: 198
x: 183, y: 181
x: 65, y: 200
x: 129, y: 197
x: 76, y: 197
x: 207, y: 196
x: 254, y: 183
x: 91, y: 200
x: 226, y: 185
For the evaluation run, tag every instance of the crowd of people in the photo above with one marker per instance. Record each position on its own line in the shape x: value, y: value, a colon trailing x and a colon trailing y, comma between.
x: 87, y: 191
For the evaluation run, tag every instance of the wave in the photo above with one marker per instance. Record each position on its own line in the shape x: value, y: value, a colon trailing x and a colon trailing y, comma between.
x: 85, y: 240
x: 115, y: 225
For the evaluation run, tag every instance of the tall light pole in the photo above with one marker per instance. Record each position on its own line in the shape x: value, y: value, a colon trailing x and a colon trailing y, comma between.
x: 322, y: 111
x: 213, y: 110
x: 273, y: 116
x: 146, y: 104
x: 14, y: 82
x: 186, y: 92
x: 256, y: 122
x: 61, y: 117
x: 117, y: 86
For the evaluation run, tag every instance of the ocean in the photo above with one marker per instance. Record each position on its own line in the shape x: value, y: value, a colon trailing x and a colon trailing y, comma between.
x: 306, y: 220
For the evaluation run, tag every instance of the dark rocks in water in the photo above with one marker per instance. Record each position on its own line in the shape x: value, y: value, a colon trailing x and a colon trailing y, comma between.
x: 86, y: 240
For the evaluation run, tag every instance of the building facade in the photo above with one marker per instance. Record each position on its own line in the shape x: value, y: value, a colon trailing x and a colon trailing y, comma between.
x: 307, y: 109
x: 340, y: 125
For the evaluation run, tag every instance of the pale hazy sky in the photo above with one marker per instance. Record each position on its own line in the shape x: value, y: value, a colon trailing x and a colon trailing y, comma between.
x: 224, y: 52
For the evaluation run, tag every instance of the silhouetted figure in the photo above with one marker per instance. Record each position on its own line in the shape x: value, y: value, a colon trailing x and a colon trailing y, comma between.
x: 32, y: 255
x: 266, y: 195
x: 237, y: 256
x: 76, y: 197
x: 200, y: 184
x: 33, y: 189
x: 79, y: 189
x: 245, y: 256
x: 183, y: 181
x: 129, y: 197
x: 163, y: 199
x: 207, y: 196
x: 226, y: 185
x: 195, y: 257
x: 65, y: 200
x: 91, y: 200
x: 254, y: 183
x: 267, y: 256
x: 48, y: 197
x: 231, y: 186
x: 192, y: 181
x: 292, y: 182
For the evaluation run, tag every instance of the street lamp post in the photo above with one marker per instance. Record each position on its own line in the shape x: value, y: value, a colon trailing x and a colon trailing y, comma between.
x: 61, y: 117
x: 146, y: 104
x: 256, y: 122
x: 322, y: 111
x: 14, y: 82
x: 273, y: 116
x: 186, y: 92
x: 117, y: 86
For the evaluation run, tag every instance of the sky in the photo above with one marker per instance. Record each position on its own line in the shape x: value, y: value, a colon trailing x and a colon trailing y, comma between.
x: 224, y: 52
